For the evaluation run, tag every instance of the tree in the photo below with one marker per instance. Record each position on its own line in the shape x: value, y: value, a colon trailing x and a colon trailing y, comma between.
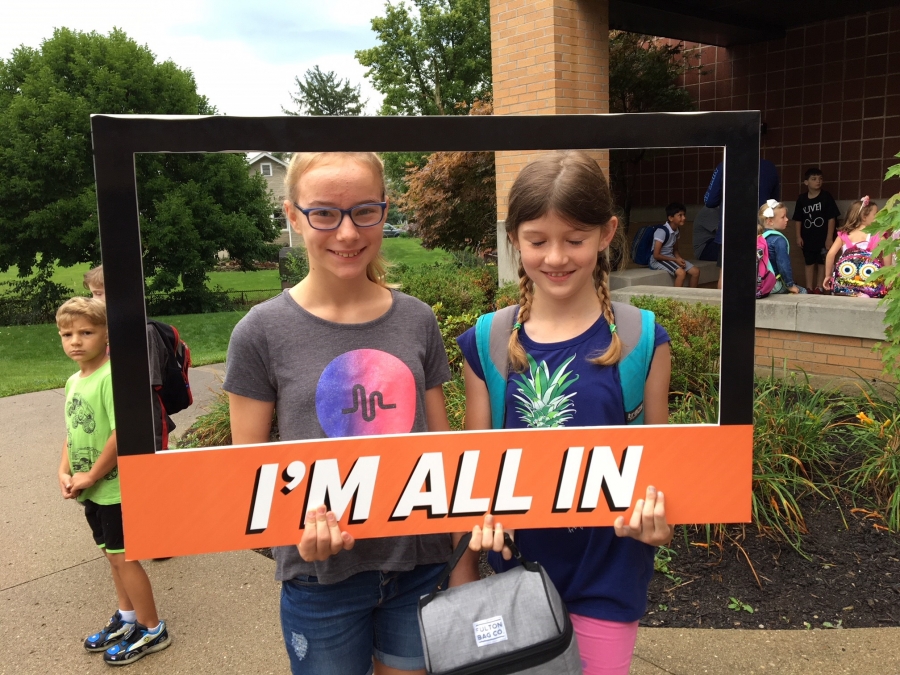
x: 644, y: 75
x: 430, y: 63
x: 191, y: 206
x: 453, y: 198
x: 325, y: 94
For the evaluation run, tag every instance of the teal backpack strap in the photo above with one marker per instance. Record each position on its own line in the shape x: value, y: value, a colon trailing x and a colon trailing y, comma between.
x: 492, y: 333
x: 637, y: 331
x: 780, y: 234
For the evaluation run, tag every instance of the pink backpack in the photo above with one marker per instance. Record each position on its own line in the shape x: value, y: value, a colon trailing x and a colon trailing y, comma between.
x: 765, y: 275
x: 853, y: 271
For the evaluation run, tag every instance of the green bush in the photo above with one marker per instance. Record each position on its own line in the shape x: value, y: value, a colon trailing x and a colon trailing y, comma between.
x: 506, y: 295
x: 888, y: 220
x: 31, y: 301
x: 294, y: 267
x: 460, y: 290
x: 875, y: 439
x: 694, y: 330
x: 798, y: 436
x: 451, y: 328
x: 191, y: 301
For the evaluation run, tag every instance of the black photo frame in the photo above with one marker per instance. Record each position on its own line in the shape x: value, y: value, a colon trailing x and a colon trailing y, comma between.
x: 117, y: 138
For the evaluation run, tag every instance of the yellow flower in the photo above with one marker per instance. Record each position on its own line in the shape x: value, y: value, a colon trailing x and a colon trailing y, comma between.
x: 865, y: 419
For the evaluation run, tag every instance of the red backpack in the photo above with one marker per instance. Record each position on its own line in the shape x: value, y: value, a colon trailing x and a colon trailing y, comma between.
x: 175, y: 391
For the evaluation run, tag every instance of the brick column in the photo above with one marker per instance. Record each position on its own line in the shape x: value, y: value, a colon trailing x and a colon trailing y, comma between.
x: 550, y: 57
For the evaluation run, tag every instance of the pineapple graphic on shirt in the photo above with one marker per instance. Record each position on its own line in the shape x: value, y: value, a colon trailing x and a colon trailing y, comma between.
x: 541, y: 397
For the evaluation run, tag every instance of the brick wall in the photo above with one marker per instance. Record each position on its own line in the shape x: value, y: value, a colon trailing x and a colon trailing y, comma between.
x: 833, y: 356
x: 829, y: 93
x: 549, y: 57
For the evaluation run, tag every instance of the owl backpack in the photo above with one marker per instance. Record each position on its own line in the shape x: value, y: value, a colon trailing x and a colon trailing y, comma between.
x: 635, y: 327
x: 854, y: 271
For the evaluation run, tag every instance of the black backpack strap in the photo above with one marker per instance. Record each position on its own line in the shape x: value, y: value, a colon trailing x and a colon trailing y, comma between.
x: 457, y: 555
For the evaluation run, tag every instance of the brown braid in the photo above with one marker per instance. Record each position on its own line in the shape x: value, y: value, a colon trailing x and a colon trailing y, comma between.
x: 517, y: 356
x: 601, y: 277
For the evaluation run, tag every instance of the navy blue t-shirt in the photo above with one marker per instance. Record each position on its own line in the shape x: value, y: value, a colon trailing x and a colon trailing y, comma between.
x: 597, y: 574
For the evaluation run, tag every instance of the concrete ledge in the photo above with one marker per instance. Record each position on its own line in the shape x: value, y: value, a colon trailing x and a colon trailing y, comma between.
x: 819, y: 314
x: 644, y: 276
x: 709, y: 296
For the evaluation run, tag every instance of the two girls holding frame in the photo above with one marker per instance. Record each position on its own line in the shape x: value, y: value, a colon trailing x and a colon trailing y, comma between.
x: 341, y: 340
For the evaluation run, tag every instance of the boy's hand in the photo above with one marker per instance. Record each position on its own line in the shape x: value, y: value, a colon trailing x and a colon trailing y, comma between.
x: 65, y: 486
x: 800, y: 242
x: 80, y: 481
x: 490, y: 538
x: 794, y: 289
x: 322, y: 536
x: 827, y: 283
x: 680, y: 261
x: 648, y: 520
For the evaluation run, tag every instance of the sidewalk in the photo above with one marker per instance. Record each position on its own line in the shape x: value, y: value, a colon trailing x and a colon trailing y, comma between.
x: 222, y: 609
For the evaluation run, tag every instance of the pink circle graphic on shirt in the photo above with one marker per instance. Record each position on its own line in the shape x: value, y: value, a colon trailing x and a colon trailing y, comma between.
x: 366, y: 392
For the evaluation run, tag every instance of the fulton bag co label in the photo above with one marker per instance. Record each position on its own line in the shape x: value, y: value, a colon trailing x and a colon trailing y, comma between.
x: 489, y: 631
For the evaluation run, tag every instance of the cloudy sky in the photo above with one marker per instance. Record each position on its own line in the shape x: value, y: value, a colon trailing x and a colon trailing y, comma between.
x: 244, y: 55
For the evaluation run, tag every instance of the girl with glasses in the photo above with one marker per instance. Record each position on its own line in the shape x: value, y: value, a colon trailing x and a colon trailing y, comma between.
x: 342, y: 354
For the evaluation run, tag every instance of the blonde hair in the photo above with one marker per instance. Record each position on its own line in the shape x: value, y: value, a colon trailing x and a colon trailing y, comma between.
x: 94, y: 278
x: 762, y: 222
x: 856, y: 214
x: 80, y: 307
x: 571, y: 185
x: 301, y: 162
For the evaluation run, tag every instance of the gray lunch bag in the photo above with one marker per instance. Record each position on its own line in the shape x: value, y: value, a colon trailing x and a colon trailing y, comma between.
x: 513, y: 622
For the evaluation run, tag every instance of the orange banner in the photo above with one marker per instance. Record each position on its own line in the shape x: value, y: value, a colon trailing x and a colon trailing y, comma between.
x: 184, y: 502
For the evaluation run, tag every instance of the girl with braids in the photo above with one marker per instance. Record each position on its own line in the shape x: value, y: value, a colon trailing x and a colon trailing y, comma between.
x: 318, y: 355
x: 564, y: 339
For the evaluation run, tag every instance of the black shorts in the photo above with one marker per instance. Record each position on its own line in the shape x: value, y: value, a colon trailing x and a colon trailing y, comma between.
x: 812, y: 252
x: 106, y: 525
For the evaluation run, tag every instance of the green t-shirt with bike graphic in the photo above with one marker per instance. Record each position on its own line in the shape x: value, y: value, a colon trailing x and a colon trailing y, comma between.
x: 90, y: 420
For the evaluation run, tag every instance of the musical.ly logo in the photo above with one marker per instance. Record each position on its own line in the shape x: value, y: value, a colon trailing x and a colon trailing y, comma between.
x: 378, y: 386
x: 359, y: 399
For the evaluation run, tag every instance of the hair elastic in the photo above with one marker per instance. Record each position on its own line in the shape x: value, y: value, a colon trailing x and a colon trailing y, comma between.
x: 517, y: 325
x: 865, y: 201
x: 612, y: 328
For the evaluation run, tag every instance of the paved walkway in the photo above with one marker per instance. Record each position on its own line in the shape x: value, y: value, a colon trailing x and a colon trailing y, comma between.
x: 222, y: 609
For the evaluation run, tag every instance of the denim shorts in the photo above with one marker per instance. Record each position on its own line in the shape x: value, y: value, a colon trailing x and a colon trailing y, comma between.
x: 336, y: 629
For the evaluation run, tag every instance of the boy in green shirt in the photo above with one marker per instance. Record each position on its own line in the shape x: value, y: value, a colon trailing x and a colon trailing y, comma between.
x: 88, y: 473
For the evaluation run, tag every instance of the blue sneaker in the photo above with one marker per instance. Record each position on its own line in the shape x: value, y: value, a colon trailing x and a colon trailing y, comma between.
x: 111, y: 634
x: 137, y: 644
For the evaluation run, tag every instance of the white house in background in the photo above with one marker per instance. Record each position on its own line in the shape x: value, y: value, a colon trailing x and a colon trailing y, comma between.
x: 273, y: 171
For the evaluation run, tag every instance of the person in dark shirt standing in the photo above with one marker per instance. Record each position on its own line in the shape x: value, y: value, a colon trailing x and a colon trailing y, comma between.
x: 769, y: 188
x: 815, y: 215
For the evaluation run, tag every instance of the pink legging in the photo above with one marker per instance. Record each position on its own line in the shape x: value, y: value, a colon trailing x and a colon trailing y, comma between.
x: 606, y: 646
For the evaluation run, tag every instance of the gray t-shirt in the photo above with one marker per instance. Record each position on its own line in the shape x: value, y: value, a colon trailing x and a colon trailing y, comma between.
x: 335, y: 380
x: 668, y: 237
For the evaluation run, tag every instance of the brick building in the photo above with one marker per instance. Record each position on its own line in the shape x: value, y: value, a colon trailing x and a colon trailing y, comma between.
x: 825, y: 76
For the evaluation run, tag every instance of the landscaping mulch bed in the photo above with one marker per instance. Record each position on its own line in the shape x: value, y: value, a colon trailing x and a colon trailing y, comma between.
x: 852, y: 579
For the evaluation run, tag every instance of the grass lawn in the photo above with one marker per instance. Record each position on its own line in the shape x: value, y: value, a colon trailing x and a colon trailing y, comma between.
x: 410, y: 252
x: 71, y: 277
x: 33, y: 359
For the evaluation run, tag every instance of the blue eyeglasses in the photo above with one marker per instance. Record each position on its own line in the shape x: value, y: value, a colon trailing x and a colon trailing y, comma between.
x: 330, y: 217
